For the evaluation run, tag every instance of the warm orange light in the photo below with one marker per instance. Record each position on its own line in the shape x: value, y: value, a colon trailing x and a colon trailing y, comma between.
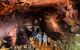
x: 53, y: 23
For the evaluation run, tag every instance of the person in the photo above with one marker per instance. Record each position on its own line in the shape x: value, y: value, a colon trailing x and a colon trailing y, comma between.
x: 45, y: 39
x: 39, y: 36
x: 34, y: 33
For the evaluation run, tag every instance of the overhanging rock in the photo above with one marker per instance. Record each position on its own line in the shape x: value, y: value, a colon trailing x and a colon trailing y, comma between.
x: 42, y: 2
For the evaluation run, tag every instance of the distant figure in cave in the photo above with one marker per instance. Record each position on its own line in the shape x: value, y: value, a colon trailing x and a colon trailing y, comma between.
x: 45, y: 39
x: 39, y: 36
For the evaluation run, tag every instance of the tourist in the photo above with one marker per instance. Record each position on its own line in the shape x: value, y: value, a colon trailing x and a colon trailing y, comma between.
x: 40, y: 37
x: 45, y: 39
x: 34, y: 35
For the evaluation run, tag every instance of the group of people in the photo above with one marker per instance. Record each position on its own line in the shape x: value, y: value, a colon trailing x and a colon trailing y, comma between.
x: 18, y: 35
x: 41, y: 37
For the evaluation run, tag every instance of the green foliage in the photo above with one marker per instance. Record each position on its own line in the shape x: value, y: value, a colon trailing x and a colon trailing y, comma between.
x: 77, y: 38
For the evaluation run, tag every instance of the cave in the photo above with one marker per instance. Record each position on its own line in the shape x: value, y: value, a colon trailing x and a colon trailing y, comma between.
x: 58, y: 19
